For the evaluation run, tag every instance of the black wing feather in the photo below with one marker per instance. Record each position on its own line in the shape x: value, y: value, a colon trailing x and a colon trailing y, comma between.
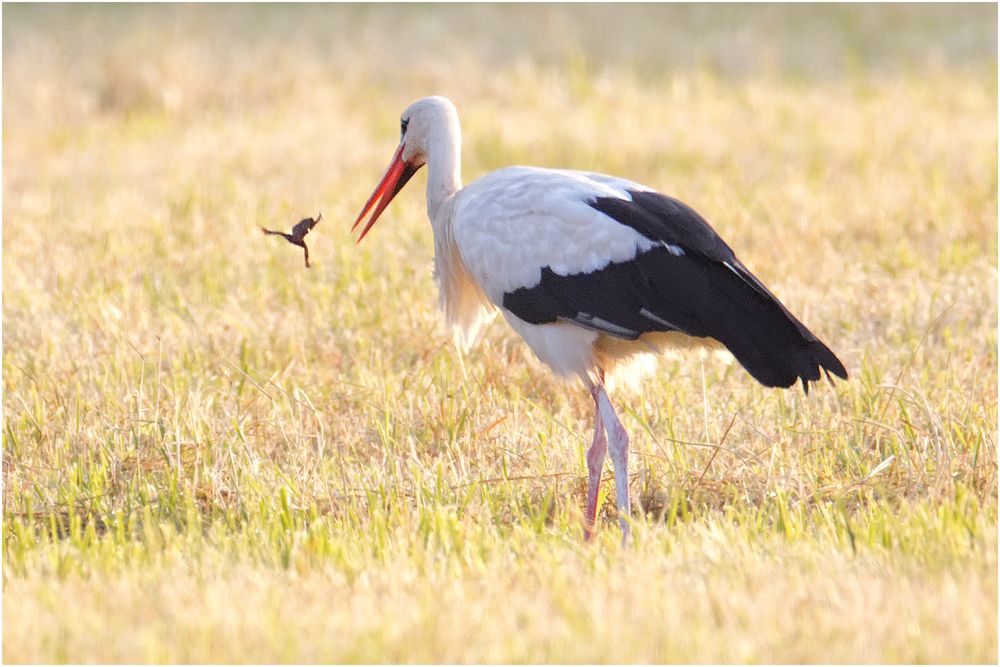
x: 705, y: 291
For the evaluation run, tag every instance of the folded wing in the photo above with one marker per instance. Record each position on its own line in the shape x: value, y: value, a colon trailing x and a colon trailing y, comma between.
x: 684, y: 279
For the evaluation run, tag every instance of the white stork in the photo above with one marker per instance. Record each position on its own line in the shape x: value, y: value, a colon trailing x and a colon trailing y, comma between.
x: 591, y: 270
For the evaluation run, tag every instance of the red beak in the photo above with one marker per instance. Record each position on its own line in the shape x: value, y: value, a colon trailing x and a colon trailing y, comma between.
x: 395, y: 178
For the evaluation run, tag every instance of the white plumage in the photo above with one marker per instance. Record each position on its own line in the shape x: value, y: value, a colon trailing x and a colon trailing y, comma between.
x: 589, y: 270
x: 513, y: 222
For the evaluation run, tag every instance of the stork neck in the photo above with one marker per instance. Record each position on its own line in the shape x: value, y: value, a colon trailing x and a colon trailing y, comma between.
x: 444, y: 169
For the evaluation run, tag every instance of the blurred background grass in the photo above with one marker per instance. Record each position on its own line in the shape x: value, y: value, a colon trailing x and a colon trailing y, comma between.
x: 213, y: 454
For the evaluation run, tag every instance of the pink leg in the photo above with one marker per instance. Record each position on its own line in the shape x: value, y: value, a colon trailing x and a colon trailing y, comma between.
x: 595, y: 465
x: 618, y: 442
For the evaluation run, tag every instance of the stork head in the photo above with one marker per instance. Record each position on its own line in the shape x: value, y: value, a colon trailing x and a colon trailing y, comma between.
x: 420, y: 127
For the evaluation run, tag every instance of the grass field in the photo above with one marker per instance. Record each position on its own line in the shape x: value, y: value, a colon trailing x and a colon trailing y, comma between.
x: 212, y: 454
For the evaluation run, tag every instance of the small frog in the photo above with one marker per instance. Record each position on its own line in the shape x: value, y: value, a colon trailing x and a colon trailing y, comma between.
x: 298, y: 235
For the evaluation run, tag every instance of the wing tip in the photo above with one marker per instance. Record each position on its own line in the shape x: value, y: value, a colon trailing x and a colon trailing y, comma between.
x: 816, y: 362
x: 826, y: 363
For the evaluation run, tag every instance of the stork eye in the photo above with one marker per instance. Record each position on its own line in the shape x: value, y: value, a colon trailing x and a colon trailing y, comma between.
x: 402, y: 126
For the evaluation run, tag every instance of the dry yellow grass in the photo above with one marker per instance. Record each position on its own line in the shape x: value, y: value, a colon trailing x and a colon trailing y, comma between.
x: 212, y: 454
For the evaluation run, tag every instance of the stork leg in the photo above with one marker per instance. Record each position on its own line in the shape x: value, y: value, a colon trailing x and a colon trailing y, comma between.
x: 595, y: 465
x: 618, y: 442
